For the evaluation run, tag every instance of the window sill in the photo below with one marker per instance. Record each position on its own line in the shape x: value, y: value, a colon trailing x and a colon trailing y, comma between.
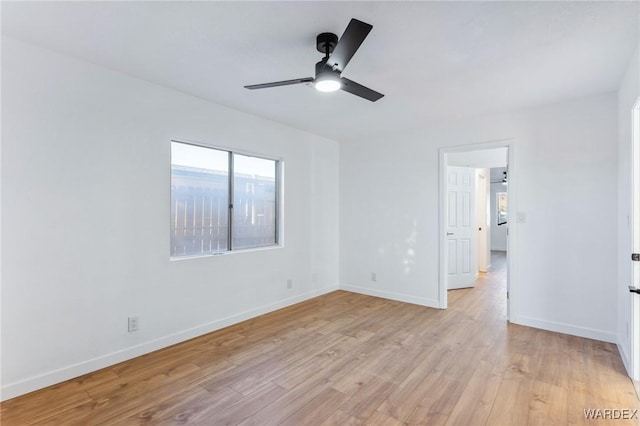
x: 226, y: 253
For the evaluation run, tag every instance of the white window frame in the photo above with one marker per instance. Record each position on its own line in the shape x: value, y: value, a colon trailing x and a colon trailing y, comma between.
x: 279, y: 173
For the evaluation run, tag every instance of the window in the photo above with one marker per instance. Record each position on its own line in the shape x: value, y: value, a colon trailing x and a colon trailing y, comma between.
x: 221, y: 201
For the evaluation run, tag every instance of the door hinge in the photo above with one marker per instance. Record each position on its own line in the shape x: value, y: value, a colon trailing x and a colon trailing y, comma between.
x: 507, y: 294
x: 635, y: 257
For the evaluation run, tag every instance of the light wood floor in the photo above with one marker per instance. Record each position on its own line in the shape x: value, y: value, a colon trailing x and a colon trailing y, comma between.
x: 345, y: 358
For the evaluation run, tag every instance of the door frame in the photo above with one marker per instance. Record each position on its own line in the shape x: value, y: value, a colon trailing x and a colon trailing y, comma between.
x: 635, y: 240
x: 512, y: 305
x: 483, y: 217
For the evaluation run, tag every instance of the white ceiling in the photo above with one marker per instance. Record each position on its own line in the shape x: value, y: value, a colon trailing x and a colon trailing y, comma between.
x: 434, y: 61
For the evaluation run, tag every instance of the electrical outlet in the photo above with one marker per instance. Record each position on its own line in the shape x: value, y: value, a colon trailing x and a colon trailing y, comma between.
x: 289, y: 283
x: 374, y: 277
x: 134, y: 323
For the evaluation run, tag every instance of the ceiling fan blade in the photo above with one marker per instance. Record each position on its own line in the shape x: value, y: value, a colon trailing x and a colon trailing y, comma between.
x: 359, y: 90
x: 350, y: 41
x: 279, y: 83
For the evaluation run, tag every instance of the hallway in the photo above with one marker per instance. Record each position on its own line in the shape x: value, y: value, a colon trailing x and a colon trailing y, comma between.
x: 492, y: 285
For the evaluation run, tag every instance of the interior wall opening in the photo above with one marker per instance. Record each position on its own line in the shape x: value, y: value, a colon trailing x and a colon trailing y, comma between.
x: 475, y: 221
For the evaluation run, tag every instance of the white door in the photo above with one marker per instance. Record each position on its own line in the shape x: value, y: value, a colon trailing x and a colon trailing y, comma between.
x: 461, y: 219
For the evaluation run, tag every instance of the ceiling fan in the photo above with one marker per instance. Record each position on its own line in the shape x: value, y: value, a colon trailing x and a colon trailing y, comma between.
x: 337, y: 53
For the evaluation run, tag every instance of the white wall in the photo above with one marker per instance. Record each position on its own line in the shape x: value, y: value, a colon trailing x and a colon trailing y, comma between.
x: 628, y: 93
x: 498, y: 233
x: 85, y: 196
x: 389, y: 212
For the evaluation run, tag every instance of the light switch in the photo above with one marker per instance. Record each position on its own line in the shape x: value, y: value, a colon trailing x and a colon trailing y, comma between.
x: 521, y: 217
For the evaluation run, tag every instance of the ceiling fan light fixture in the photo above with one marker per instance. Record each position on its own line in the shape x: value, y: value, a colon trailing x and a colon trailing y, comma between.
x: 337, y: 54
x: 327, y: 83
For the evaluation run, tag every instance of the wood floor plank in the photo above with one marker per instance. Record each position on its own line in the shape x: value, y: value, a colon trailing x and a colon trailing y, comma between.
x: 164, y: 385
x: 43, y: 404
x: 381, y: 419
x: 351, y: 359
x: 186, y: 408
x: 266, y: 395
x: 340, y: 352
x: 511, y: 405
x: 476, y: 400
x: 410, y: 391
x: 351, y: 381
x: 315, y: 412
x: 340, y: 418
x: 548, y: 405
x: 279, y: 410
x: 368, y: 398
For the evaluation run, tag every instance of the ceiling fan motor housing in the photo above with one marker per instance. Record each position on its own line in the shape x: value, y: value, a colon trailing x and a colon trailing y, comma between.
x: 326, y: 42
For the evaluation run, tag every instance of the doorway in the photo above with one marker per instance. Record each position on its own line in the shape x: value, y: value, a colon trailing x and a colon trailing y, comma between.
x: 480, y: 158
x: 635, y: 245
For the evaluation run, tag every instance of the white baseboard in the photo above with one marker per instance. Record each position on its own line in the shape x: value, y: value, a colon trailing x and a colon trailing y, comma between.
x: 12, y: 390
x: 423, y: 301
x: 625, y: 358
x: 589, y: 333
